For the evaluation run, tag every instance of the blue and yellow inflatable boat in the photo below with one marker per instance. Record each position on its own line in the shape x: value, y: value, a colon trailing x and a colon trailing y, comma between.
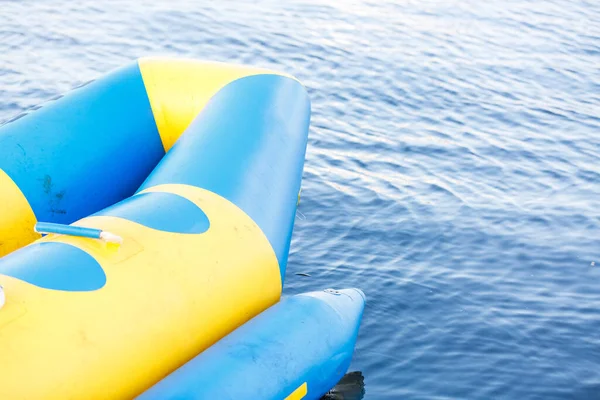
x: 168, y: 189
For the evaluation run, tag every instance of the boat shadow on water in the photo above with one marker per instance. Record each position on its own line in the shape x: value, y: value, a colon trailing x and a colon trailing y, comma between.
x: 350, y: 387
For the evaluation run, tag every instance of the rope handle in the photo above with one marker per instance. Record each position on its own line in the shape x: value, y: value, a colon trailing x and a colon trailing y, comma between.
x: 61, y: 229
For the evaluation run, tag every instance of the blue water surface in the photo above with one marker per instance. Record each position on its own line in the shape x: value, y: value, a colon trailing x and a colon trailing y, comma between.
x: 452, y: 173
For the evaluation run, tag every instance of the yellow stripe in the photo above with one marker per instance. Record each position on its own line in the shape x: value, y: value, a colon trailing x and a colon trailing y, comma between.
x: 16, y: 217
x: 178, y: 89
x: 299, y: 393
x: 168, y: 296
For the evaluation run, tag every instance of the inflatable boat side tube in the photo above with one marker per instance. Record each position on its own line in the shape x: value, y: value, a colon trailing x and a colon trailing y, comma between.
x: 297, y: 349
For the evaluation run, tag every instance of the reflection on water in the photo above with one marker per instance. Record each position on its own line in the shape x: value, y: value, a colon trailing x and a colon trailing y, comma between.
x: 350, y: 387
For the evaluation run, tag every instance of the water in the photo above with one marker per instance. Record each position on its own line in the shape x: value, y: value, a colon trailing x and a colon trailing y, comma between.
x: 452, y: 172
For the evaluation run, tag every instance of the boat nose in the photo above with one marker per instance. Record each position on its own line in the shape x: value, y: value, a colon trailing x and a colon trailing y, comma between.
x: 350, y: 303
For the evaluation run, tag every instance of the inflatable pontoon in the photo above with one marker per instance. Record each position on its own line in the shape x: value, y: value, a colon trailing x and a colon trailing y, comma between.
x: 145, y: 225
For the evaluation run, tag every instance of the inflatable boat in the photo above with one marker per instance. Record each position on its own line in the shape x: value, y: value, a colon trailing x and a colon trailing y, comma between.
x: 145, y: 226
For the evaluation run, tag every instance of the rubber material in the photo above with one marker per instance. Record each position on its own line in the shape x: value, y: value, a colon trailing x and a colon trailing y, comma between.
x: 298, y: 349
